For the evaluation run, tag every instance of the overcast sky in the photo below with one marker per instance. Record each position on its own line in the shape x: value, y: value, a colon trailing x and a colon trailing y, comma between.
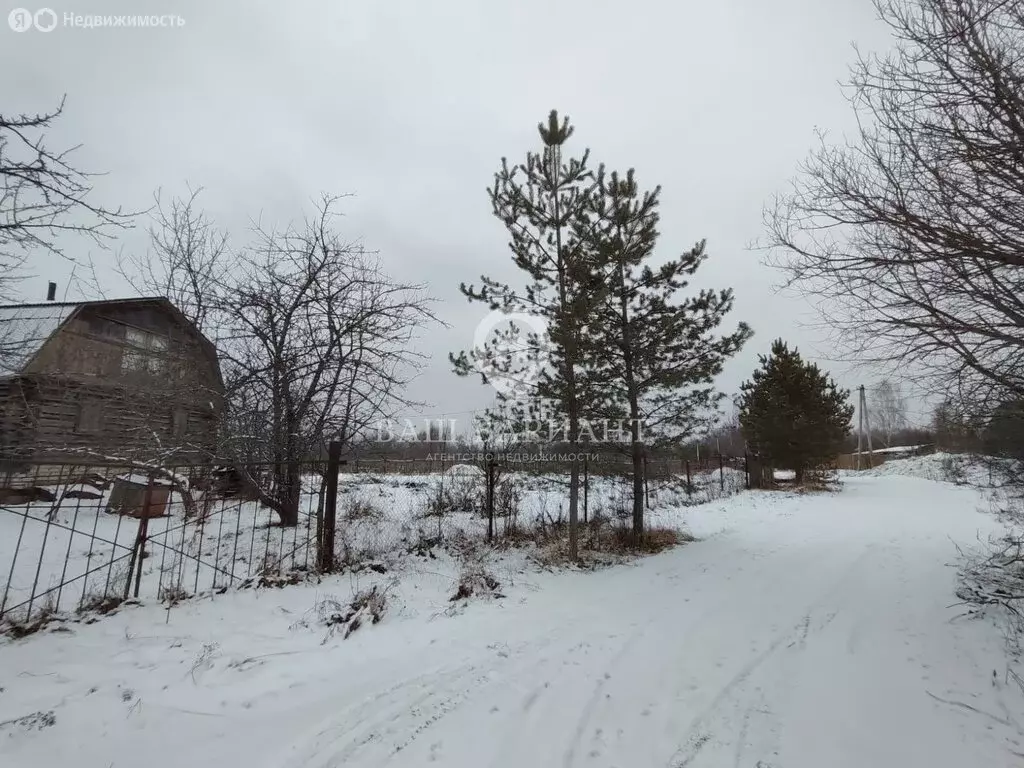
x: 410, y: 104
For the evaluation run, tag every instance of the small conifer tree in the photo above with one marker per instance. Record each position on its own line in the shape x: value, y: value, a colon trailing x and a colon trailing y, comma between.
x: 792, y: 414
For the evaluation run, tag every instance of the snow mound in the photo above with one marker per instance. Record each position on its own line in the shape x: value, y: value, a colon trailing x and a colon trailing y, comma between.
x: 898, y: 449
x: 926, y: 467
x: 956, y: 468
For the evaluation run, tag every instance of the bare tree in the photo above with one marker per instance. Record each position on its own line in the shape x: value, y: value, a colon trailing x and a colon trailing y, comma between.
x: 911, y: 235
x: 888, y: 410
x: 189, y: 259
x: 319, y: 347
x: 43, y: 196
x: 314, y: 339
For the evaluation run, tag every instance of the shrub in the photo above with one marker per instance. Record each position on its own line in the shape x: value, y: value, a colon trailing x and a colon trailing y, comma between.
x: 366, y: 605
x: 476, y: 581
x: 620, y: 539
x: 361, y: 508
x: 952, y: 469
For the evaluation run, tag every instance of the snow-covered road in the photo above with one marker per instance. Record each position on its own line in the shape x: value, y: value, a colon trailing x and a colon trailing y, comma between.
x: 801, y: 632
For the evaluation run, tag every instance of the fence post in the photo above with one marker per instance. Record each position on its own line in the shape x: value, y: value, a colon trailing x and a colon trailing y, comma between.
x: 689, y: 481
x: 647, y: 497
x: 330, y: 507
x: 141, y: 547
x: 491, y: 466
x: 746, y: 469
x: 586, y: 488
x: 721, y: 472
x: 135, y: 563
x: 320, y: 528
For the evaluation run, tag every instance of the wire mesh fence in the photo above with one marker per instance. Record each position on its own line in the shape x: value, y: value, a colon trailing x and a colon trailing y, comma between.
x: 596, y: 464
x: 390, y: 503
x: 88, y: 537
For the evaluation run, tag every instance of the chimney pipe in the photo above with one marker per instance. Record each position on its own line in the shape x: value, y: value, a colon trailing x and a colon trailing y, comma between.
x: 51, y: 292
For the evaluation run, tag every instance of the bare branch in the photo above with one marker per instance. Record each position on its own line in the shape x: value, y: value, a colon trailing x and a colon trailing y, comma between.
x: 910, y: 237
x: 43, y: 197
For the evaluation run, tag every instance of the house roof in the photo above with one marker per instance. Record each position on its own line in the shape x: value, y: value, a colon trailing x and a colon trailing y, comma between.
x: 25, y: 328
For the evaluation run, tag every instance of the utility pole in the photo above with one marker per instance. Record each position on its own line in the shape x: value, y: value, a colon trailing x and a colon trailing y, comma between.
x: 860, y: 422
x: 867, y: 425
x: 863, y: 427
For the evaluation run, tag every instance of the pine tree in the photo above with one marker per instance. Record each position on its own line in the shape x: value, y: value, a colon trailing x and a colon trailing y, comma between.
x: 654, y: 351
x: 540, y: 203
x: 792, y: 413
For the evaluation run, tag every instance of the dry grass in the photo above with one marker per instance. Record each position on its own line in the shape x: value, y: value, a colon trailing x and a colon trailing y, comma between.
x: 367, y: 605
x: 815, y: 485
x: 476, y: 581
x: 605, y: 543
x: 46, y: 615
x: 102, y: 604
x: 362, y: 508
x: 620, y: 539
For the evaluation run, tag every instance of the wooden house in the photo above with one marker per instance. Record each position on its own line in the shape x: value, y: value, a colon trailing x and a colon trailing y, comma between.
x: 105, y: 381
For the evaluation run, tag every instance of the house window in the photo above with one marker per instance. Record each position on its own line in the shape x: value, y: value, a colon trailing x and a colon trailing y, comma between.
x: 101, y: 326
x: 90, y: 417
x: 145, y: 352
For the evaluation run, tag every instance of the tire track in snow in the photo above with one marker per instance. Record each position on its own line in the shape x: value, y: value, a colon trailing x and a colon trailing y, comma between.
x: 700, y: 733
x: 401, y: 717
x: 695, y: 742
x: 547, y: 701
x: 569, y: 760
x: 363, y: 724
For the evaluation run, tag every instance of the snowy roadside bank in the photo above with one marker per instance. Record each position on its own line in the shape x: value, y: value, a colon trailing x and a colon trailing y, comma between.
x: 991, y: 569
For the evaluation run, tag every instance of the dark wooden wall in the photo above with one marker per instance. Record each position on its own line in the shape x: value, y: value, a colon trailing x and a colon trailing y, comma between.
x: 77, y: 396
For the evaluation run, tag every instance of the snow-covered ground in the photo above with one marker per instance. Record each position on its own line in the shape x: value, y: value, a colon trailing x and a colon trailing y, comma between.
x: 986, y: 474
x: 897, y: 449
x: 801, y: 631
x: 935, y: 466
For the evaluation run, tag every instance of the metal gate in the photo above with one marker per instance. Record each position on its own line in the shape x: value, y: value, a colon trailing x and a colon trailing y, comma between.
x: 71, y: 543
